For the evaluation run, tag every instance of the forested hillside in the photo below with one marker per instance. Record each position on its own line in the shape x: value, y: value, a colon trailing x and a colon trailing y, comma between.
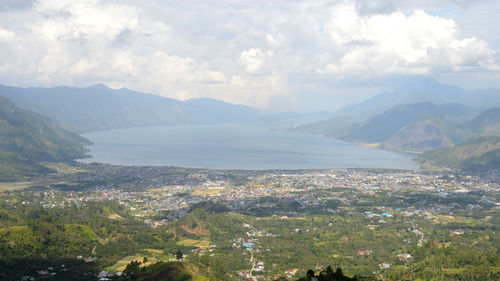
x: 27, y: 138
x: 477, y: 155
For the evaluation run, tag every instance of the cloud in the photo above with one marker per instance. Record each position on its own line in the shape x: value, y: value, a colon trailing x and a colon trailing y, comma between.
x: 395, y: 43
x: 8, y: 5
x: 6, y: 35
x: 261, y: 53
x: 254, y: 60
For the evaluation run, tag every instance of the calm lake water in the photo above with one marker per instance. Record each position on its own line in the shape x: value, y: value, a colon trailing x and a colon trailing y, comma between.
x: 235, y: 147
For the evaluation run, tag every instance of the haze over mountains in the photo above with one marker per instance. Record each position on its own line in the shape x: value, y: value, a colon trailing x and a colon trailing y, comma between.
x: 99, y: 107
x: 419, y: 116
x: 418, y: 91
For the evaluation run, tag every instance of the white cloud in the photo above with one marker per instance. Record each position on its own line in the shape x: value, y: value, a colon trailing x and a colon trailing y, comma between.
x: 420, y: 43
x: 254, y: 60
x: 6, y: 35
x: 275, y: 41
x: 257, y: 53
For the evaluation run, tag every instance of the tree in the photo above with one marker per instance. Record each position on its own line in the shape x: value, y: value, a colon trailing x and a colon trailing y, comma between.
x: 338, y: 275
x: 178, y: 255
x: 218, y: 270
x: 310, y: 274
x: 131, y: 270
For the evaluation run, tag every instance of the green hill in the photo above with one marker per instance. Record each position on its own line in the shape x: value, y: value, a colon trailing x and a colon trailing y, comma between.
x: 27, y: 138
x: 477, y: 155
x: 13, y: 166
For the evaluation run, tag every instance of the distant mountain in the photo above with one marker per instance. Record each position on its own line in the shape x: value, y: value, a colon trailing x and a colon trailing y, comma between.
x: 415, y: 127
x: 27, y: 138
x: 99, y: 107
x: 484, y: 98
x: 384, y: 126
x: 418, y: 136
x: 336, y: 127
x: 477, y: 155
x: 423, y: 90
x: 290, y: 119
x: 209, y: 111
x: 418, y: 91
x: 486, y: 123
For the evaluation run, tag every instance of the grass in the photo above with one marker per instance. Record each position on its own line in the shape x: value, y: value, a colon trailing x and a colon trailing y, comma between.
x: 203, y: 244
x: 154, y: 252
x: 197, y: 277
x: 453, y: 271
x: 148, y: 253
x: 63, y: 168
x: 84, y: 231
x: 10, y: 186
x: 17, y: 235
x: 446, y: 219
x: 122, y: 264
x: 207, y: 191
x: 5, y: 230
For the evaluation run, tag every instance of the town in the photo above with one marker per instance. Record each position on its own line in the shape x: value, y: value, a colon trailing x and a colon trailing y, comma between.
x: 359, y: 209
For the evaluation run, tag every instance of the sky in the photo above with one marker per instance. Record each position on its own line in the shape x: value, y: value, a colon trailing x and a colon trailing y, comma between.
x: 276, y: 55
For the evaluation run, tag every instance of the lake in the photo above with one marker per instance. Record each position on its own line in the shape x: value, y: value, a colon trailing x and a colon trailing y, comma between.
x: 235, y: 147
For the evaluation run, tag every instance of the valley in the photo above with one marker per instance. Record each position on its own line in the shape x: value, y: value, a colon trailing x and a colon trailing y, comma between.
x: 341, y: 140
x: 372, y: 223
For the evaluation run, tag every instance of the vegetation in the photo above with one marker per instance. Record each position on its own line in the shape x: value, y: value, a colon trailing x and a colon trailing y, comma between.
x: 486, y: 123
x: 103, y: 233
x: 477, y: 155
x: 171, y: 271
x: 327, y: 275
x: 26, y: 139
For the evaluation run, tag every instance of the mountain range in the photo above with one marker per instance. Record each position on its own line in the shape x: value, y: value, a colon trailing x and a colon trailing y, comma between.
x: 418, y: 91
x: 420, y: 116
x: 26, y: 139
x: 99, y: 107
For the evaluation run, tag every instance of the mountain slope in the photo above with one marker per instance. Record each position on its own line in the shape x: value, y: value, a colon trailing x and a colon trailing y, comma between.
x: 99, y: 107
x: 486, y: 123
x: 419, y: 91
x: 476, y: 155
x: 414, y: 127
x: 418, y: 136
x: 14, y: 167
x: 384, y: 126
x: 27, y: 138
